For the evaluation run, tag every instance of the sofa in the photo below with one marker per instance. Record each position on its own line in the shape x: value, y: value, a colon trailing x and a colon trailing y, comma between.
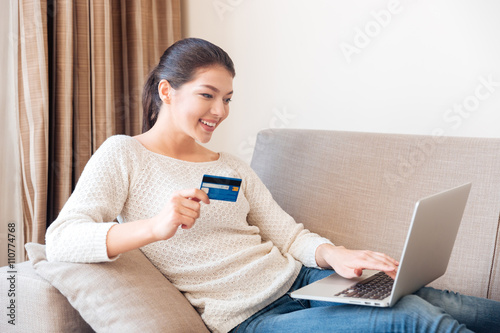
x: 357, y: 189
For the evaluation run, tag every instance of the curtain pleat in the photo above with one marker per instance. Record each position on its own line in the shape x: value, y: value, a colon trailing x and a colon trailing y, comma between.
x: 101, y: 58
x: 135, y: 60
x: 61, y: 115
x: 82, y: 99
x: 33, y: 115
x: 80, y: 81
x: 11, y: 205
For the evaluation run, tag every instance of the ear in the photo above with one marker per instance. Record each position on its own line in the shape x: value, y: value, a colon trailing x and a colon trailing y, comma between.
x: 165, y: 91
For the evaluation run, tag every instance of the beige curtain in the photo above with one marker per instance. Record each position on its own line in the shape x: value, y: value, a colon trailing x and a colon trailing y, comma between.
x: 86, y: 65
x: 11, y: 217
x: 33, y: 116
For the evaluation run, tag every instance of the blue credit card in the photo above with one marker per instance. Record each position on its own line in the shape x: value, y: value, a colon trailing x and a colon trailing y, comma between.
x: 221, y: 188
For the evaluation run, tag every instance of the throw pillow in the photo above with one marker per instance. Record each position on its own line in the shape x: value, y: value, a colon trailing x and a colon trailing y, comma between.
x: 126, y: 295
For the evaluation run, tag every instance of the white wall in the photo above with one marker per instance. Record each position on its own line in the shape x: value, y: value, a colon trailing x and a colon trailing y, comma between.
x: 407, y: 66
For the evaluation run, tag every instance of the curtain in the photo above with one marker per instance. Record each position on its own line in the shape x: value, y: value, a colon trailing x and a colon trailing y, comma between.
x: 33, y: 116
x: 11, y: 227
x: 83, y: 70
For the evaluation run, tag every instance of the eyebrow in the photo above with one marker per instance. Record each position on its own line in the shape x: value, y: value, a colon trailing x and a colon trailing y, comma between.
x: 214, y: 88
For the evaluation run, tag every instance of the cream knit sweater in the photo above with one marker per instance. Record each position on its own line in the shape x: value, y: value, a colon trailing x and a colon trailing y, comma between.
x: 239, y: 256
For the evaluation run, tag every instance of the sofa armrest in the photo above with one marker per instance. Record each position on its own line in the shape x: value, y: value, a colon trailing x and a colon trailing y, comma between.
x: 39, y: 307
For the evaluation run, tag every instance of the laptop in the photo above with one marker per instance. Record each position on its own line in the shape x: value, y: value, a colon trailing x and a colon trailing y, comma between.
x: 425, y: 257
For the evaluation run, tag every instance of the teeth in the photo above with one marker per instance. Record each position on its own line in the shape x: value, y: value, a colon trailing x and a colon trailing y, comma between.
x: 207, y: 123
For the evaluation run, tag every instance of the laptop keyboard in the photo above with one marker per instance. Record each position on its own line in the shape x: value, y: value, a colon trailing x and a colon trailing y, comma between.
x: 377, y: 286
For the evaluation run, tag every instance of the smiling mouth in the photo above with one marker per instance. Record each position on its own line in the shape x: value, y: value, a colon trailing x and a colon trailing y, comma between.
x: 208, y: 123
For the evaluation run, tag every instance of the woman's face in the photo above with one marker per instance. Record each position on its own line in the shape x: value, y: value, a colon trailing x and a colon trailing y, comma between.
x: 200, y: 105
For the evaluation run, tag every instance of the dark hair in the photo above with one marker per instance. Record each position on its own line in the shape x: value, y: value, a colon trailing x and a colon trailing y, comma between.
x: 178, y: 65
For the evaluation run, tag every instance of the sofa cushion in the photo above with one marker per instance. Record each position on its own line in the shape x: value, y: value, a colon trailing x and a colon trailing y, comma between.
x: 126, y: 295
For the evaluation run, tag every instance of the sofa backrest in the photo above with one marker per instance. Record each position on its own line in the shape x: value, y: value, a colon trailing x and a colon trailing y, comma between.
x: 360, y: 189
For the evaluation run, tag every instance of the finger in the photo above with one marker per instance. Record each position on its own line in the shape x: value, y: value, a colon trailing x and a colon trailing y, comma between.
x: 386, y: 258
x: 190, y: 212
x: 377, y: 258
x: 195, y: 195
x: 188, y: 223
x: 375, y: 265
x: 202, y: 196
x: 188, y: 203
x: 392, y: 274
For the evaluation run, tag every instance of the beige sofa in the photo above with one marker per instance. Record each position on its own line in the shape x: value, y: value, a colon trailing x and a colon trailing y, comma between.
x: 358, y: 189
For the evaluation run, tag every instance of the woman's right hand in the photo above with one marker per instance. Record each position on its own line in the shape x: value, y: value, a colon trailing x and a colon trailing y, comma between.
x: 182, y: 209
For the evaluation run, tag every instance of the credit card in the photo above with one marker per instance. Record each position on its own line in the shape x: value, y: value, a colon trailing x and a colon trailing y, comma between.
x: 221, y: 188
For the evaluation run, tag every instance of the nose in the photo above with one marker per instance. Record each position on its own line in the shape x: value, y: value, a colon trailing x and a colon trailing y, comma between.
x: 219, y: 109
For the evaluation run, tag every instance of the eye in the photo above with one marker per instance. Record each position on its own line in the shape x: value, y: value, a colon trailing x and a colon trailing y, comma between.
x: 207, y: 95
x: 227, y: 100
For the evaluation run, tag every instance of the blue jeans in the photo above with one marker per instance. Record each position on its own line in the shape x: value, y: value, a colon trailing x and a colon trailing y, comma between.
x: 428, y: 310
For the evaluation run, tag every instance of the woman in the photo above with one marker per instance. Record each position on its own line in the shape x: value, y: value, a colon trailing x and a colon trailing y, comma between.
x: 234, y: 261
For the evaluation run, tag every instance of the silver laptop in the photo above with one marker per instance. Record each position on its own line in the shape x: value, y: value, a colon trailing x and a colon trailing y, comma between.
x: 425, y: 257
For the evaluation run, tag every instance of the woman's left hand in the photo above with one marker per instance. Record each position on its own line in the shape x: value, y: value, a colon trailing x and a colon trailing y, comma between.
x: 351, y: 263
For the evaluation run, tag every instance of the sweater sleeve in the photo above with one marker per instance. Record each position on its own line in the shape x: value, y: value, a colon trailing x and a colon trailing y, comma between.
x: 274, y: 223
x: 80, y: 230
